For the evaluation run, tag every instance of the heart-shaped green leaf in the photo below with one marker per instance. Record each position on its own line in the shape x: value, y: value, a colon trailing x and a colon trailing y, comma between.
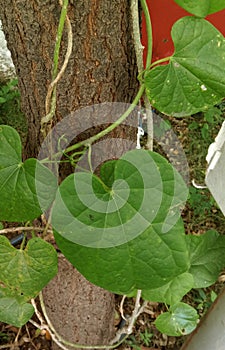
x: 23, y: 274
x: 207, y: 256
x: 181, y: 319
x: 172, y: 292
x: 115, y: 232
x: 14, y: 313
x: 201, y: 8
x: 194, y: 79
x: 26, y: 189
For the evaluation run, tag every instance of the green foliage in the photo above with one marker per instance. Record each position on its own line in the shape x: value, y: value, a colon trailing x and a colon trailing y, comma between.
x: 21, y: 181
x: 207, y: 257
x: 23, y: 274
x: 201, y: 8
x: 214, y: 114
x: 171, y: 292
x: 208, y: 124
x: 4, y: 338
x: 212, y: 119
x: 9, y: 92
x: 180, y: 319
x: 123, y: 229
x: 10, y: 112
x: 203, y: 300
x: 123, y: 223
x: 201, y: 202
x: 127, y: 222
x: 132, y: 342
x: 162, y: 128
x: 144, y: 338
x: 182, y: 87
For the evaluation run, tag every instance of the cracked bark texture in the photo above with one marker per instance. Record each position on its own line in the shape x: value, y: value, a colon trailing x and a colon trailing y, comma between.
x: 81, y: 312
x: 102, y: 68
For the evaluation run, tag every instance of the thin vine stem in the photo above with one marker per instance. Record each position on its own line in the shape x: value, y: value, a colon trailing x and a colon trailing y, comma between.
x: 139, y: 57
x: 89, y: 158
x: 112, y: 126
x: 134, y: 103
x: 162, y: 60
x: 51, y: 94
x: 149, y: 33
x: 104, y: 132
x: 23, y: 242
x: 136, y: 35
x: 59, y: 37
x: 25, y: 228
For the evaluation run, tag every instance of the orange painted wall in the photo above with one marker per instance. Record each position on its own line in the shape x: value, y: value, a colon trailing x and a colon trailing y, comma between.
x: 164, y: 13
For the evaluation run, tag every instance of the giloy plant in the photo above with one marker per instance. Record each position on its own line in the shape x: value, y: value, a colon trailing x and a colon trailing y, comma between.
x: 122, y: 229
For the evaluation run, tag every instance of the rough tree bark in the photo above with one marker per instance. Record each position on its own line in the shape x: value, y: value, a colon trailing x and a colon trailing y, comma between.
x: 102, y: 68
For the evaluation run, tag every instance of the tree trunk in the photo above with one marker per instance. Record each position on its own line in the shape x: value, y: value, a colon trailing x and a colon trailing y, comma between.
x: 80, y: 311
x: 102, y: 68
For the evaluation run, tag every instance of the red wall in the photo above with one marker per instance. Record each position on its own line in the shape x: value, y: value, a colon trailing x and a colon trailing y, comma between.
x: 163, y: 14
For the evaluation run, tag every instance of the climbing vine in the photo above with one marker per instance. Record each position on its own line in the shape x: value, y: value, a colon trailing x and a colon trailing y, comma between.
x: 130, y: 215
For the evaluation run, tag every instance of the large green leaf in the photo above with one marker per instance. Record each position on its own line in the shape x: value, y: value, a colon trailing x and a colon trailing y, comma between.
x: 201, y: 8
x: 207, y: 256
x: 117, y: 236
x: 216, y: 5
x: 23, y: 274
x: 15, y: 313
x: 171, y: 292
x: 26, y: 189
x: 194, y: 78
x: 181, y: 319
